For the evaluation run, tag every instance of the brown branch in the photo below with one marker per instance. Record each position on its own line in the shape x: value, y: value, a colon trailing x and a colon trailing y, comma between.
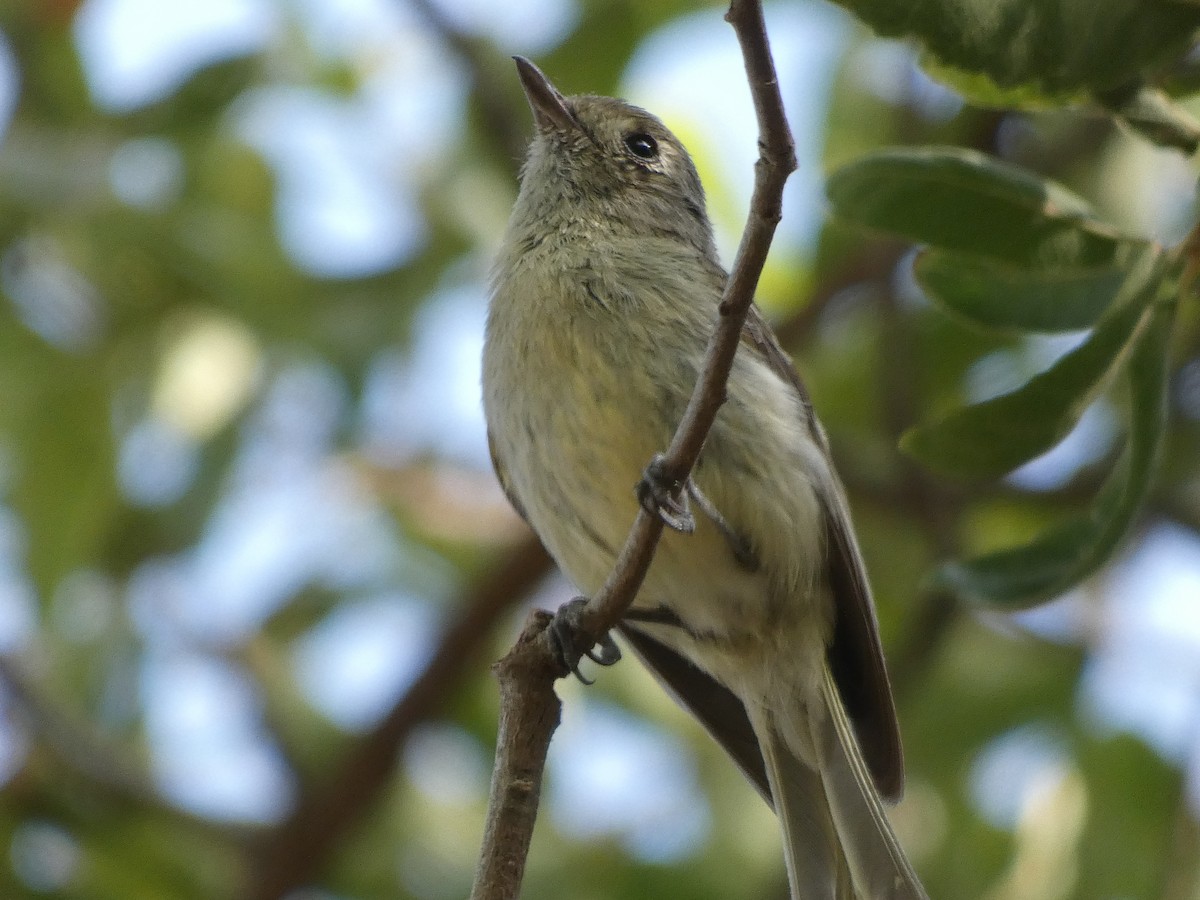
x: 529, y: 714
x: 294, y: 852
x: 527, y: 673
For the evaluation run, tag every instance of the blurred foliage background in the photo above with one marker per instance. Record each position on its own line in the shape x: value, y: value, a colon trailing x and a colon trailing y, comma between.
x: 254, y: 565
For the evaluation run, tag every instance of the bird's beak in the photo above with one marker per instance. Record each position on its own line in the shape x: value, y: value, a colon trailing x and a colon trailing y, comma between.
x: 550, y: 110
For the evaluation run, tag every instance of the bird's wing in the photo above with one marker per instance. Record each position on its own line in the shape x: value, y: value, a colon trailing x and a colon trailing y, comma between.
x: 855, y: 655
x: 502, y: 477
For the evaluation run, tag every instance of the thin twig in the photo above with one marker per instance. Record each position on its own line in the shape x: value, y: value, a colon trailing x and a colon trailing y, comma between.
x: 72, y: 742
x: 527, y: 672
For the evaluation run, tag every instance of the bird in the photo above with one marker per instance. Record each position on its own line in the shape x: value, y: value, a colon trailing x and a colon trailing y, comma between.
x: 756, y: 613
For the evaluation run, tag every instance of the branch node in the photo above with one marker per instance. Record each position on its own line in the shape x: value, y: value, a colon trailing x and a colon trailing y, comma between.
x: 571, y: 640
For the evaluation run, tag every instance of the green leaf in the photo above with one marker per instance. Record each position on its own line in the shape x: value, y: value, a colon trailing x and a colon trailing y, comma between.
x: 66, y: 491
x: 1182, y: 79
x: 1152, y: 114
x: 1065, y: 554
x: 1147, y: 110
x: 1056, y: 45
x: 963, y: 200
x: 980, y: 90
x: 1002, y: 297
x: 992, y: 438
x: 1131, y: 790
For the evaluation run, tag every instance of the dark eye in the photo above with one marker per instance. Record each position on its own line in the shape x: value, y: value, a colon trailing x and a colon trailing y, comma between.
x: 641, y: 144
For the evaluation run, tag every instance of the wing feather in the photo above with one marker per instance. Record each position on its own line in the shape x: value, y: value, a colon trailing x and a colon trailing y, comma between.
x: 855, y: 655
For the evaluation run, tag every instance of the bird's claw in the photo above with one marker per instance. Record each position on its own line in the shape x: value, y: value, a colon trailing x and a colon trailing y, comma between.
x: 565, y: 632
x: 663, y: 495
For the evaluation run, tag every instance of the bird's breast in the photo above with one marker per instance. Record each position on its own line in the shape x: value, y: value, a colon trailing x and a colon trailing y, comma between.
x: 581, y: 392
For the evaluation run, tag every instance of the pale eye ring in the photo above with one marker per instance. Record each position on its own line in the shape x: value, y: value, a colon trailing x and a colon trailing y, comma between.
x: 642, y: 145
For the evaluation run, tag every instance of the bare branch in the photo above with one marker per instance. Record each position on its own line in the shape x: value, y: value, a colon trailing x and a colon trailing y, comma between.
x: 529, y: 713
x: 73, y: 742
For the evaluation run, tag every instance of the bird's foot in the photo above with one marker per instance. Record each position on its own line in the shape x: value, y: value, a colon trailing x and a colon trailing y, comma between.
x: 565, y: 632
x: 662, y: 494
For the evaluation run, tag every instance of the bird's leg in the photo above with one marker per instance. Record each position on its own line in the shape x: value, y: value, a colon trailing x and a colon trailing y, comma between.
x: 565, y: 632
x: 740, y: 547
x: 666, y: 497
x: 662, y: 494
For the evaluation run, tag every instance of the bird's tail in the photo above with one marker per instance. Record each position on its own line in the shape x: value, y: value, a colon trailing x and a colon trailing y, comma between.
x: 837, y: 840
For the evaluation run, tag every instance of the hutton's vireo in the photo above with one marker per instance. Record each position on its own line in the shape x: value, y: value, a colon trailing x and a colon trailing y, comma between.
x: 760, y: 621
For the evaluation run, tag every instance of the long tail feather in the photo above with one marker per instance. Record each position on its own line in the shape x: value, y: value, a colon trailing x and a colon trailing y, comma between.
x: 879, y: 867
x: 815, y: 863
x: 837, y: 839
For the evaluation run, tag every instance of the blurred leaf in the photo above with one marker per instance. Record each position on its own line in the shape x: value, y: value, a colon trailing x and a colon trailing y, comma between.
x: 593, y: 56
x: 992, y: 438
x: 1183, y: 78
x: 981, y: 90
x: 963, y: 200
x: 53, y: 88
x: 151, y: 856
x: 1126, y: 845
x: 1147, y: 110
x: 1057, y: 45
x: 51, y: 168
x: 195, y: 105
x: 62, y: 442
x: 1008, y: 298
x: 995, y: 680
x: 1065, y: 554
x: 1152, y: 114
